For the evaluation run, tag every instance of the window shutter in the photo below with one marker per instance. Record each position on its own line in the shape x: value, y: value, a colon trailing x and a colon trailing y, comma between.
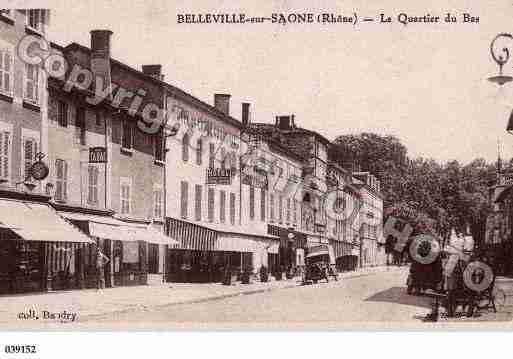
x: 58, y: 179
x: 197, y: 210
x: 5, y: 71
x: 64, y: 180
x: 185, y: 148
x: 28, y: 156
x: 252, y: 202
x: 93, y: 185
x: 262, y: 204
x: 4, y: 154
x: 211, y: 205
x: 199, y: 152
x: 232, y: 208
x: 183, y: 199
x: 222, y: 206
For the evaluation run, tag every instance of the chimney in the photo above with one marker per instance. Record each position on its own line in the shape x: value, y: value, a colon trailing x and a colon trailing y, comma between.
x: 154, y: 71
x: 222, y: 103
x: 100, y: 56
x: 245, y: 114
x: 284, y: 122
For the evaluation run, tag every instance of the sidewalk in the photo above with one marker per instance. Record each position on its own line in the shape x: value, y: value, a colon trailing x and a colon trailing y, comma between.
x: 90, y: 303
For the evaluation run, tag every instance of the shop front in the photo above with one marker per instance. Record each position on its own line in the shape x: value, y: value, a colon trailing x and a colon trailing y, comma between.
x: 204, y: 254
x: 344, y: 258
x: 39, y: 250
x: 125, y: 244
x: 291, y: 251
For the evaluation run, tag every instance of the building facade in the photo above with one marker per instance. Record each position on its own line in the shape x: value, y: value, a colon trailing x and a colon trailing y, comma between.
x: 37, y: 246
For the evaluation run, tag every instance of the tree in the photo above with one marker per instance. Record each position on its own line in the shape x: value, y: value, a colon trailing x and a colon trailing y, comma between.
x: 438, y: 196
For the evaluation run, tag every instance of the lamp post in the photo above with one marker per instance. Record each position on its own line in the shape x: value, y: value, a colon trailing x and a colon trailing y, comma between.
x: 501, y: 57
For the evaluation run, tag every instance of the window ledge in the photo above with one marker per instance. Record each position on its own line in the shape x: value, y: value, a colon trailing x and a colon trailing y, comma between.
x: 31, y: 106
x: 31, y: 31
x: 6, y: 97
x: 158, y: 220
x: 127, y: 151
x: 7, y: 19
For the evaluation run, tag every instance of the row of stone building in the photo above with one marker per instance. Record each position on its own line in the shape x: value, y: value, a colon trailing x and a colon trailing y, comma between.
x: 178, y: 202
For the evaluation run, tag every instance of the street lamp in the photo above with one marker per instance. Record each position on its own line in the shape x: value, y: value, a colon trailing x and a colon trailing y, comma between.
x: 500, y: 57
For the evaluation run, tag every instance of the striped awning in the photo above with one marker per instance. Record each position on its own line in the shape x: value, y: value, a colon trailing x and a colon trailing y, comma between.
x: 191, y: 236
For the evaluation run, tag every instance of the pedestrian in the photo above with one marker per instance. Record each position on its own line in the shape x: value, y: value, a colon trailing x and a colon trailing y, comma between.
x: 101, y: 260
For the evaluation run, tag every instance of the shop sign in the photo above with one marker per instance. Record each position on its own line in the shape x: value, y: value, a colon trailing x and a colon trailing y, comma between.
x: 97, y: 155
x: 219, y: 176
x: 255, y: 179
x: 39, y: 170
x: 130, y: 252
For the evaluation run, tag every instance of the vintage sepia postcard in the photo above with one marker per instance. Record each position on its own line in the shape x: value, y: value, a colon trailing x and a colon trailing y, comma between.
x: 274, y: 165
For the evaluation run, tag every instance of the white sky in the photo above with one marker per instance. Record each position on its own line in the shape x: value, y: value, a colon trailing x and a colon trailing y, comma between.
x: 426, y: 84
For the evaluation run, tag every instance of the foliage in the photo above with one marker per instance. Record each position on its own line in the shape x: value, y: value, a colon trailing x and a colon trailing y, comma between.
x: 434, y: 197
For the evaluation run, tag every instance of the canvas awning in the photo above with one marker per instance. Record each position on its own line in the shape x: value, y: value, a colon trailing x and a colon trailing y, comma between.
x: 38, y: 222
x: 115, y: 229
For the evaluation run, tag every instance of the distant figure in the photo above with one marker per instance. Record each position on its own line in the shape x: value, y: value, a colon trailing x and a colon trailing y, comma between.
x: 101, y: 260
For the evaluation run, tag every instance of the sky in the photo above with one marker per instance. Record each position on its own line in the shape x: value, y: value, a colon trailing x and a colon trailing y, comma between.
x: 424, y: 83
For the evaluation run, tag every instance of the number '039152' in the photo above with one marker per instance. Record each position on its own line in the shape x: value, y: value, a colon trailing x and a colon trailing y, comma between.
x: 20, y: 349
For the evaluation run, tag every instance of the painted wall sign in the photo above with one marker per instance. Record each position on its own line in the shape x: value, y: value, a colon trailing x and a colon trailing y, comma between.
x: 97, y: 155
x: 219, y: 176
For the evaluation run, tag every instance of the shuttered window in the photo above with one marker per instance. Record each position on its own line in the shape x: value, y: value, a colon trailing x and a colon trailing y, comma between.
x: 5, y: 154
x: 199, y: 152
x: 62, y: 113
x: 185, y: 148
x: 251, y: 202
x: 6, y: 85
x: 294, y: 210
x: 211, y: 202
x: 184, y: 193
x: 35, y: 19
x: 288, y: 210
x: 271, y: 207
x: 31, y: 83
x: 157, y: 203
x: 197, y: 203
x: 29, y: 156
x: 211, y: 158
x: 92, y: 197
x: 80, y: 126
x: 126, y: 193
x: 280, y: 209
x: 222, y: 206
x: 127, y: 135
x: 232, y: 208
x: 61, y: 180
x: 262, y: 204
x: 223, y: 158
